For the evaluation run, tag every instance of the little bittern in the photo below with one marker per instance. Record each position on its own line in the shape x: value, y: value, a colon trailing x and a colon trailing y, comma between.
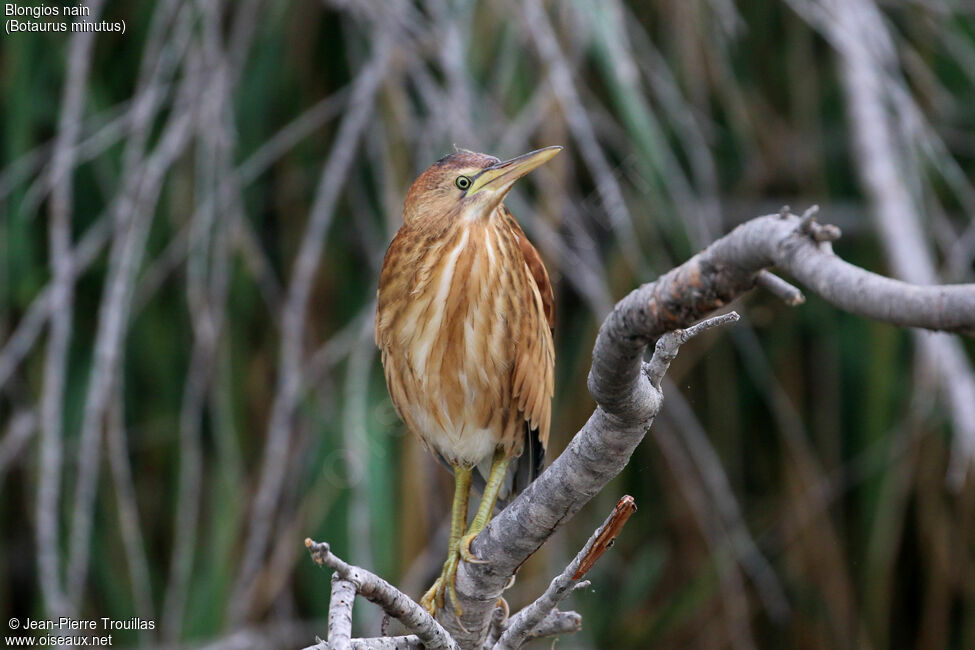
x: 464, y: 318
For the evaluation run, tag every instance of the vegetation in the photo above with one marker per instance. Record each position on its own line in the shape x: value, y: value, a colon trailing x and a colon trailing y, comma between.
x: 801, y: 487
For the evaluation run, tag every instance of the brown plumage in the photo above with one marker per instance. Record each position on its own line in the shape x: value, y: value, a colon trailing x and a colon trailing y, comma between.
x: 464, y: 322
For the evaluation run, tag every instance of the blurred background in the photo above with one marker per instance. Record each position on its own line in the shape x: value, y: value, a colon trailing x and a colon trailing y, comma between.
x: 193, y: 214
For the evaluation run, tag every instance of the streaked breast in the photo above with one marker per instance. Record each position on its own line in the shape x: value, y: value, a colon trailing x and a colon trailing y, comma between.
x: 445, y: 326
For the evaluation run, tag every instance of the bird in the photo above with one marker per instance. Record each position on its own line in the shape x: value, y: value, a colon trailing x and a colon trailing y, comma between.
x: 464, y: 322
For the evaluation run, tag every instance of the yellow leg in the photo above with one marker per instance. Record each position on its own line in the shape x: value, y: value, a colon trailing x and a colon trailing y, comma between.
x: 434, y: 597
x: 499, y: 467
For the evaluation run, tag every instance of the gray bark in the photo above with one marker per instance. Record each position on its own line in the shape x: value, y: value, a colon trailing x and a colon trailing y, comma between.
x: 628, y: 395
x: 627, y: 402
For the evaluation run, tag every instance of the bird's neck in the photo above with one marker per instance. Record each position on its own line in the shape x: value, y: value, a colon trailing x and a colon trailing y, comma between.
x: 463, y: 253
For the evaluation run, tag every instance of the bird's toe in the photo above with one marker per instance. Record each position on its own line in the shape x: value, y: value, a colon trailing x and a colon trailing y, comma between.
x: 430, y: 598
x: 466, y: 553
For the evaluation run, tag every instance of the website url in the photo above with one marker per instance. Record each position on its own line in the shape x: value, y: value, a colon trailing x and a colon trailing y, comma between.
x: 54, y: 641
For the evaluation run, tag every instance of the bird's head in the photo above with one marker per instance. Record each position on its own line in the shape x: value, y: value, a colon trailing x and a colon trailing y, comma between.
x: 467, y: 185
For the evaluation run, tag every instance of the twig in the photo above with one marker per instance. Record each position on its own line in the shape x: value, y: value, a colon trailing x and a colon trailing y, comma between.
x: 407, y: 642
x: 340, y: 613
x: 669, y: 344
x: 806, y: 219
x: 391, y: 600
x: 557, y: 623
x: 606, y: 537
x: 779, y: 288
x: 521, y: 624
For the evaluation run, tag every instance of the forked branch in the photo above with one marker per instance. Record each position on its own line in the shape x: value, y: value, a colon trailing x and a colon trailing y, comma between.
x: 628, y: 396
x: 521, y: 625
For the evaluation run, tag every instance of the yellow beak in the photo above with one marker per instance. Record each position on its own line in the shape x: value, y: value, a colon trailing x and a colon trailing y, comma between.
x: 501, y: 176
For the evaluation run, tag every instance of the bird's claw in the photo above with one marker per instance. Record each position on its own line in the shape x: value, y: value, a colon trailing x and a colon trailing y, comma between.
x: 435, y: 597
x: 430, y: 598
x: 464, y: 547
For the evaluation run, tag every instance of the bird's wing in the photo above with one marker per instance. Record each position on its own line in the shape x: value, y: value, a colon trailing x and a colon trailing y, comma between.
x: 535, y: 266
x: 389, y: 277
x: 534, y: 369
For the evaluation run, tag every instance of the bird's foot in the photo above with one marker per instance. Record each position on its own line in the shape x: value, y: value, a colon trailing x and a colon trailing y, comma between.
x: 435, y: 597
x: 429, y: 599
x: 464, y: 547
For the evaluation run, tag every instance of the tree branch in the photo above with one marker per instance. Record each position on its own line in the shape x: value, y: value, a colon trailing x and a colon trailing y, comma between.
x: 392, y: 600
x: 779, y: 288
x: 628, y: 396
x: 521, y: 625
x: 628, y: 402
x: 340, y: 613
x: 669, y: 344
x: 408, y: 642
x: 557, y: 622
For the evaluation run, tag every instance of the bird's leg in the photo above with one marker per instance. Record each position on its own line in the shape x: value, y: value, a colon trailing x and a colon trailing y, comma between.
x: 434, y: 597
x: 499, y: 468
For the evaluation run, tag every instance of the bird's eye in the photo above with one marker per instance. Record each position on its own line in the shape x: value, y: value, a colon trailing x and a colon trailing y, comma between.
x: 463, y: 182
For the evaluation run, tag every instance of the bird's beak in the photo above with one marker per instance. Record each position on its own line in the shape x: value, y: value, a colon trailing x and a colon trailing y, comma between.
x: 498, y: 179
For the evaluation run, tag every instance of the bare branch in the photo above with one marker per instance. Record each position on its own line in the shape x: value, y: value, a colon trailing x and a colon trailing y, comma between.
x: 340, y: 613
x: 628, y: 401
x: 606, y: 536
x: 669, y: 344
x: 393, y: 601
x: 408, y: 642
x: 524, y: 622
x: 779, y: 288
x: 628, y: 395
x: 558, y: 622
